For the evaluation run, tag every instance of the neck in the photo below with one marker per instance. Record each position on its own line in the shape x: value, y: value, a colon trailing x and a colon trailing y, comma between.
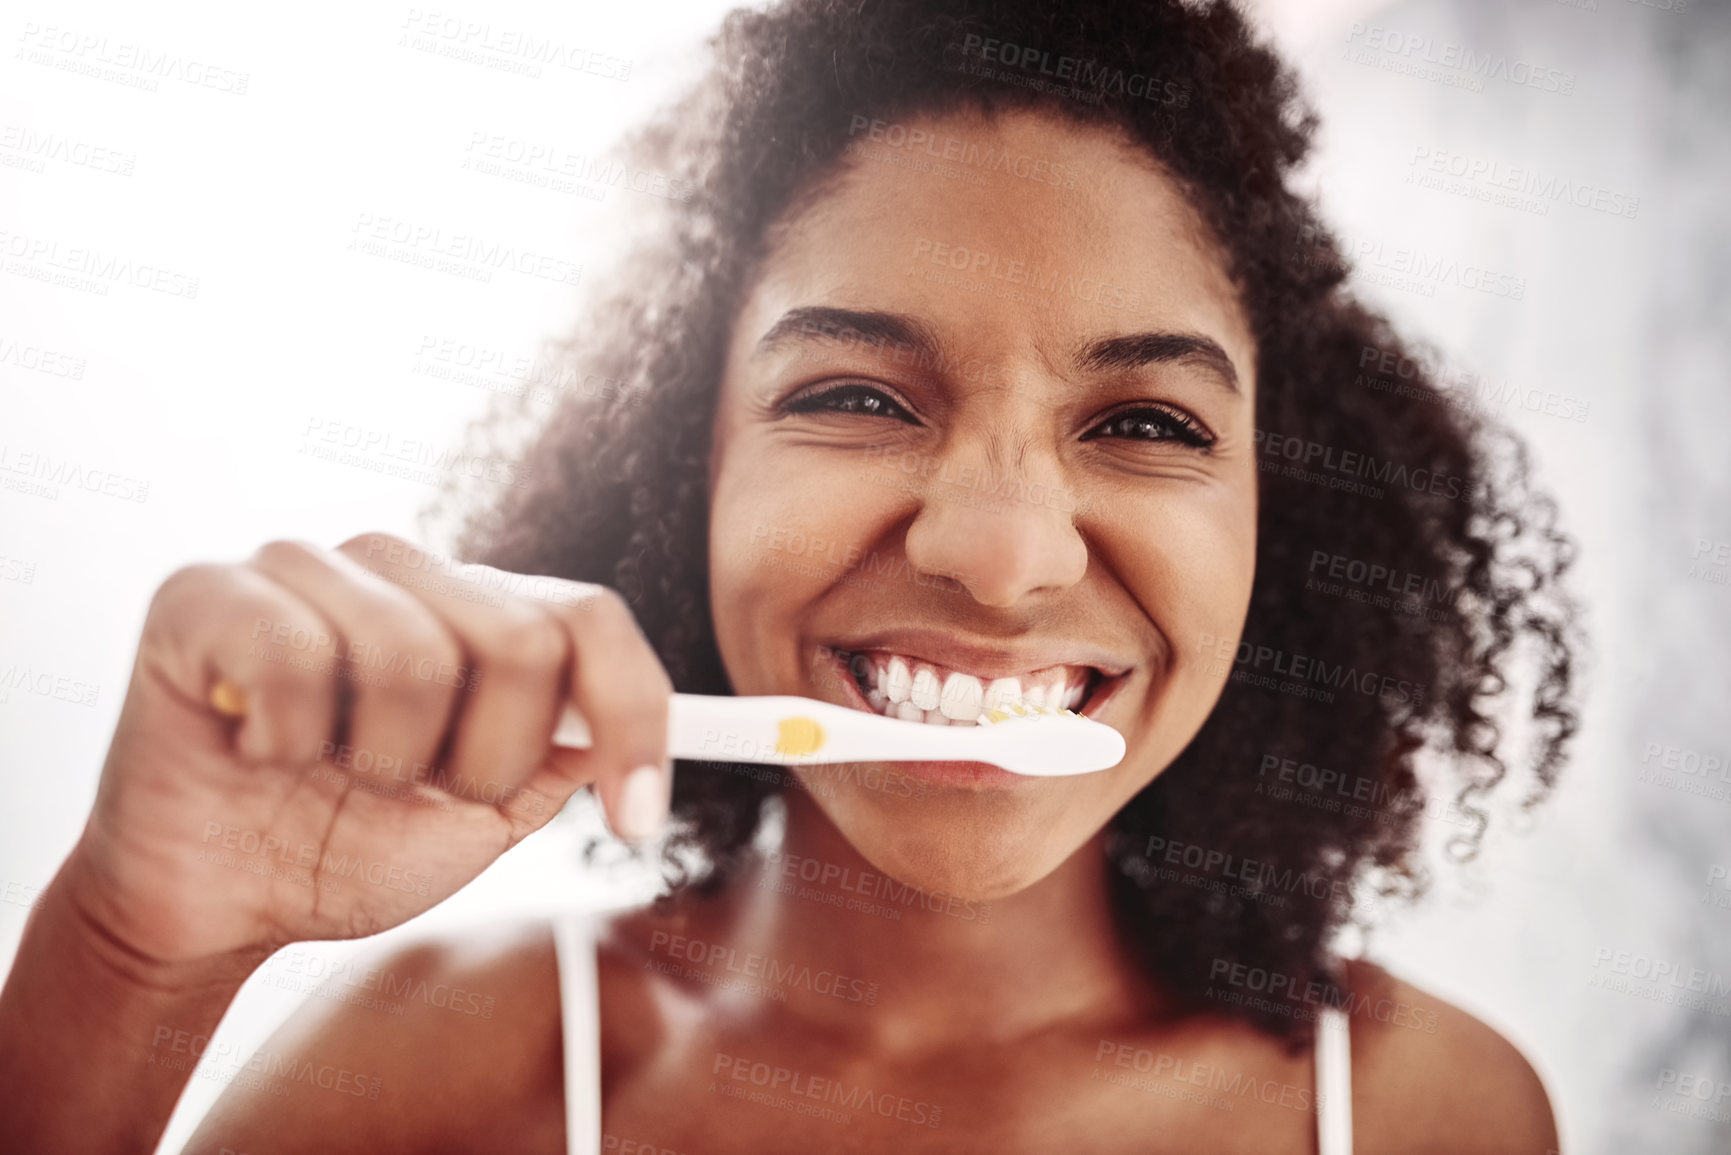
x: 922, y: 968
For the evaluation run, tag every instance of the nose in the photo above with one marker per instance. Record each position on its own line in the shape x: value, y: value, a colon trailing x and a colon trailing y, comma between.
x: 1003, y: 534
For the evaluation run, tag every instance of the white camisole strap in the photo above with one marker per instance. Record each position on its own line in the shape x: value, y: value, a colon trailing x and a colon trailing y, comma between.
x: 1333, y: 1083
x: 580, y: 1015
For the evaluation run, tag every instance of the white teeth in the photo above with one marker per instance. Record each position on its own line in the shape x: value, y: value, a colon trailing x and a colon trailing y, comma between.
x: 961, y: 697
x: 898, y: 681
x: 924, y: 693
x: 1001, y: 692
x: 916, y: 691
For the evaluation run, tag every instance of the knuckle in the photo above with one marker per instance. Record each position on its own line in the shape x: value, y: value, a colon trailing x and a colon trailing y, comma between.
x: 607, y: 605
x: 524, y: 641
x: 605, y: 618
x: 613, y: 639
x: 559, y: 594
x: 633, y: 691
x: 284, y: 555
x: 372, y: 545
x: 188, y: 583
x: 621, y: 658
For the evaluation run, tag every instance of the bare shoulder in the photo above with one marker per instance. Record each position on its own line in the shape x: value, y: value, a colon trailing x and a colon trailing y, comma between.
x: 450, y: 1044
x: 1429, y: 1077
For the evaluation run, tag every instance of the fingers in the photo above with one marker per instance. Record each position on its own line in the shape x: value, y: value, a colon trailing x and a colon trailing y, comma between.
x: 620, y: 686
x: 393, y: 651
x: 210, y: 623
x: 354, y: 645
x: 516, y: 655
x: 573, y: 642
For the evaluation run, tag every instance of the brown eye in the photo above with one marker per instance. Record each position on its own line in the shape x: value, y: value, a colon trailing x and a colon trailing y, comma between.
x: 853, y: 399
x: 1151, y: 423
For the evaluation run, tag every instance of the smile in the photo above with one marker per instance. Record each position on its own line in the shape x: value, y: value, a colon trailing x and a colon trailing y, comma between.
x: 916, y: 690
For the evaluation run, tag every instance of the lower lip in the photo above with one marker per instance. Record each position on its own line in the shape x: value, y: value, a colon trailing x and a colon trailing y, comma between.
x: 978, y: 775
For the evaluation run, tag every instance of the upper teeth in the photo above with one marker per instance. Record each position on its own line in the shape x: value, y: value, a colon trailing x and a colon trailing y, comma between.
x: 961, y: 697
x: 924, y: 693
x: 917, y: 691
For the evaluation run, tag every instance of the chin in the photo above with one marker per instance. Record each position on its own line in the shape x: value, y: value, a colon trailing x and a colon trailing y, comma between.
x: 953, y: 849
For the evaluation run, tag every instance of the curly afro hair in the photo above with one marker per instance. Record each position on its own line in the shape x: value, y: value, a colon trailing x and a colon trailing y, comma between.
x: 1407, y: 612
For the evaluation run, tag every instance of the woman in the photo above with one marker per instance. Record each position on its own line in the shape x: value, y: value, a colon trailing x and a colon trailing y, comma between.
x: 992, y: 355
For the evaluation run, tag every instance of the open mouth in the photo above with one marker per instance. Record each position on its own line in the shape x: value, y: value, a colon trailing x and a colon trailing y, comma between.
x: 916, y: 690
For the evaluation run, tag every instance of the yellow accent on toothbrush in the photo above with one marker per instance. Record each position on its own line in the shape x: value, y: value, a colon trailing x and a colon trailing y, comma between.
x: 798, y: 737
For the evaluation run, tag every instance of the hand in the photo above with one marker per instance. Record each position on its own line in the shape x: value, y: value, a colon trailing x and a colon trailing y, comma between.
x: 380, y: 733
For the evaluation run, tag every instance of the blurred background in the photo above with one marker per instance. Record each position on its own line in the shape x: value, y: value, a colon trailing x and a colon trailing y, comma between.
x: 191, y: 307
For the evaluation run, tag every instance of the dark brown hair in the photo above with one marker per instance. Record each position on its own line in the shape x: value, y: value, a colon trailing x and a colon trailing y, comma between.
x: 1358, y: 463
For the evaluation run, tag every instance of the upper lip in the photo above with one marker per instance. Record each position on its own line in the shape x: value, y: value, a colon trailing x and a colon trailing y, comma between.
x: 987, y: 659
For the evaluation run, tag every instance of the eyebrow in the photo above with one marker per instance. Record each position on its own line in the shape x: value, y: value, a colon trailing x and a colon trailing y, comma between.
x: 908, y: 336
x: 852, y: 326
x: 1139, y: 349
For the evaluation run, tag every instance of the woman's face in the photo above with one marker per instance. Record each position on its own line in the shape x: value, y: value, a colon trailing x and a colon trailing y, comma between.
x: 985, y: 434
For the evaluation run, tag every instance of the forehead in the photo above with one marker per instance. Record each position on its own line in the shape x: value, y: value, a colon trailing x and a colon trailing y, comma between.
x: 1015, y: 231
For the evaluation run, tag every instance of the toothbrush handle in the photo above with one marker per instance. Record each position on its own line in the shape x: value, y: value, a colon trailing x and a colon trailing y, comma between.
x: 691, y: 724
x: 734, y: 729
x: 785, y: 730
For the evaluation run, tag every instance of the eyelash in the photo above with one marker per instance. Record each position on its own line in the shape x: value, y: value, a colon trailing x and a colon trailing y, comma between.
x: 1178, y: 425
x: 830, y: 401
x: 1175, y: 423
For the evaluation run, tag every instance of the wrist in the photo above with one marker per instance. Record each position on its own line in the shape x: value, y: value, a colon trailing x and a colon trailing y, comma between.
x: 79, y: 907
x: 92, y: 1031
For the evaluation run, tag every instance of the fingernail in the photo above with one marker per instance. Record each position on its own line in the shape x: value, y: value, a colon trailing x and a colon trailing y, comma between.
x: 642, y: 803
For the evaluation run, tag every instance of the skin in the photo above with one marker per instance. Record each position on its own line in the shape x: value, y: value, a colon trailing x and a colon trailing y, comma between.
x: 1005, y: 997
x: 1149, y: 547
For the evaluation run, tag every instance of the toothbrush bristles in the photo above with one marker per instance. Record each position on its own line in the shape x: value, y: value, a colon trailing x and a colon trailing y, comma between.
x: 1006, y: 713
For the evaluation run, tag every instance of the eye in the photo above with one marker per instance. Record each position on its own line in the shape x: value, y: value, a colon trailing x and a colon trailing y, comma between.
x: 1153, y: 423
x: 852, y: 398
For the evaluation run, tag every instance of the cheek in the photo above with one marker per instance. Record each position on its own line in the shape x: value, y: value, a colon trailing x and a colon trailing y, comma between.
x: 784, y: 525
x: 1192, y: 566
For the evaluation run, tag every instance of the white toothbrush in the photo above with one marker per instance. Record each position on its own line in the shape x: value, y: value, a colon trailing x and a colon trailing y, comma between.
x: 784, y: 730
